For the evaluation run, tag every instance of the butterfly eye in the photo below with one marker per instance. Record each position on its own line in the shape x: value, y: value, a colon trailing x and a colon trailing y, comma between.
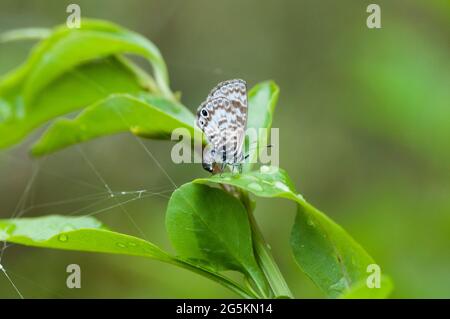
x: 204, y: 113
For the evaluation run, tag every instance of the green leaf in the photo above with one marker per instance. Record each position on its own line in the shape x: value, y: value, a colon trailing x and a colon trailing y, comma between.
x: 262, y: 99
x: 323, y: 250
x: 327, y: 254
x: 25, y: 34
x: 84, y: 233
x: 117, y: 113
x: 60, y: 52
x: 75, y: 233
x: 210, y: 227
x: 76, y: 89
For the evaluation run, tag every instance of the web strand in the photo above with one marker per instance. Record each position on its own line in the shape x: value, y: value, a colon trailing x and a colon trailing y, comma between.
x: 2, y: 269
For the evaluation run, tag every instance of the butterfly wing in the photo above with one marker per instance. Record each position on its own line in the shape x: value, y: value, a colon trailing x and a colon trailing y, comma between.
x: 223, y: 117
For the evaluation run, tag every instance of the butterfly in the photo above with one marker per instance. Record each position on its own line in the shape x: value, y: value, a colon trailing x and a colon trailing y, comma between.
x: 223, y: 118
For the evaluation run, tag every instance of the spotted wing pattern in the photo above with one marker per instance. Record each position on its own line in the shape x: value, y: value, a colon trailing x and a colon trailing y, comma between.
x: 223, y: 117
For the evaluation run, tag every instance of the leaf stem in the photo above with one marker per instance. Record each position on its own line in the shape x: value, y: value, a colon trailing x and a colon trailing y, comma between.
x: 264, y: 256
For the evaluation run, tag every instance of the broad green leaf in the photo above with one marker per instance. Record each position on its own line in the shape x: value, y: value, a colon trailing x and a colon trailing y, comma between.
x: 323, y: 250
x: 75, y: 233
x: 61, y: 52
x: 84, y: 233
x: 360, y: 290
x: 327, y: 254
x: 262, y: 99
x: 210, y: 227
x: 75, y: 89
x: 146, y: 116
x: 25, y: 34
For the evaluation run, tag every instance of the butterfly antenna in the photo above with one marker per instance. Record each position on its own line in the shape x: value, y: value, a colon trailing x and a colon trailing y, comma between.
x: 267, y: 146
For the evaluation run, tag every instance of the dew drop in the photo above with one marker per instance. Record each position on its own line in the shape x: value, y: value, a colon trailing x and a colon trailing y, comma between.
x: 131, y: 244
x: 63, y: 238
x: 255, y: 187
x: 265, y: 169
x: 282, y: 186
x: 121, y: 245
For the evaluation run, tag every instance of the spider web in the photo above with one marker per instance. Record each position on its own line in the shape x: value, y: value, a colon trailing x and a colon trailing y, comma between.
x: 101, y: 199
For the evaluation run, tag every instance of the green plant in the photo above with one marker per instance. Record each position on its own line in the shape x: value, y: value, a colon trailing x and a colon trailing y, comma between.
x: 210, y: 221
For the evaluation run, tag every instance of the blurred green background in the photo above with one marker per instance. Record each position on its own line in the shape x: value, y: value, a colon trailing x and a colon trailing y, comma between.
x: 364, y: 118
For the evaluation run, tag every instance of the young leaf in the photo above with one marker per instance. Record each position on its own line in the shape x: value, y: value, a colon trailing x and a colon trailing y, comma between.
x: 76, y: 89
x: 117, y: 113
x: 210, y: 227
x: 84, y: 233
x: 324, y: 251
x: 262, y: 99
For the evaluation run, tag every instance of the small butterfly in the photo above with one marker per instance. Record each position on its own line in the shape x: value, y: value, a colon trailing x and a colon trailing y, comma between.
x: 223, y: 118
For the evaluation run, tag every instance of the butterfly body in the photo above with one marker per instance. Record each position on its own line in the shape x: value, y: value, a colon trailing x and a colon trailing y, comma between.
x: 223, y: 118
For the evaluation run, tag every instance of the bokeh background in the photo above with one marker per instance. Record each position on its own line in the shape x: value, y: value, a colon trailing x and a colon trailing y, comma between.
x: 364, y: 118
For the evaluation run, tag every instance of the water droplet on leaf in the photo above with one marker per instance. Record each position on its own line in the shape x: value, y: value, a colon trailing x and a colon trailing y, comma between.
x: 63, y: 237
x: 121, y: 245
x: 268, y: 169
x: 255, y: 187
x: 282, y: 186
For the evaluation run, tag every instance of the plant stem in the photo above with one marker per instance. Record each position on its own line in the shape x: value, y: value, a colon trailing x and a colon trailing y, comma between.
x: 224, y: 281
x: 267, y: 262
x: 264, y: 256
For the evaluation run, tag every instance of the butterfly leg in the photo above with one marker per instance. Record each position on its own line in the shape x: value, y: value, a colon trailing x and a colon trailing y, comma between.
x: 238, y: 167
x: 222, y: 168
